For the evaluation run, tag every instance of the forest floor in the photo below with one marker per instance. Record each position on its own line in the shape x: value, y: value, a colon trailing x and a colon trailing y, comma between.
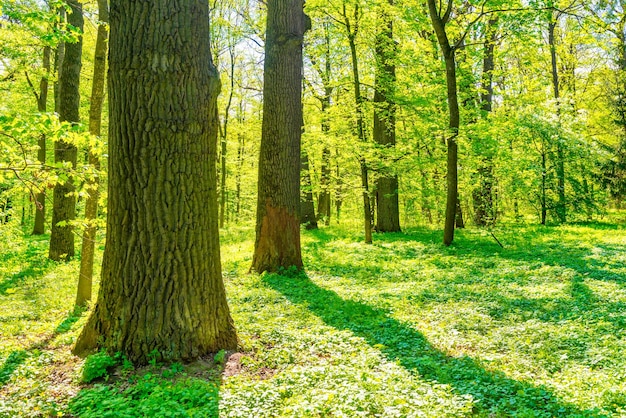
x: 402, y: 328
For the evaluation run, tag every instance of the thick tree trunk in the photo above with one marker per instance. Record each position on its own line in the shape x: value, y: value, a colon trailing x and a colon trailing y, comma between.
x: 64, y: 200
x: 85, y: 277
x: 387, y: 203
x: 161, y: 288
x: 307, y: 207
x: 42, y: 106
x: 277, y: 242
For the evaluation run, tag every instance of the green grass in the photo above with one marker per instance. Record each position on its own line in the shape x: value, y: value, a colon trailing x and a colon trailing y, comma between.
x: 402, y: 328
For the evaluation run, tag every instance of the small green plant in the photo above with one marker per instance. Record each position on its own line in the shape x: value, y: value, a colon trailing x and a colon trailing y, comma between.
x: 97, y: 366
x: 174, y: 369
x: 153, y: 358
x: 150, y: 396
x: 126, y: 365
x: 220, y: 357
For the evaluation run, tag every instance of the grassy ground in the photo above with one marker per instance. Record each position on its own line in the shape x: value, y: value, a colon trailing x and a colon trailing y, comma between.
x: 401, y: 328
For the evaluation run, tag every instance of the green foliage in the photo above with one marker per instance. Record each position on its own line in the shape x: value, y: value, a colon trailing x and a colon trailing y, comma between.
x: 149, y: 397
x: 220, y: 357
x: 97, y: 366
x: 401, y: 328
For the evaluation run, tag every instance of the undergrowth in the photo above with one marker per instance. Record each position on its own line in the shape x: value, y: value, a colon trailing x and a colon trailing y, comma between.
x: 401, y: 328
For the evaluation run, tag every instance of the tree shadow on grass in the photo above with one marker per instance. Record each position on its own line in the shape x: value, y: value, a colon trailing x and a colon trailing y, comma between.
x: 493, y: 392
x: 17, y: 357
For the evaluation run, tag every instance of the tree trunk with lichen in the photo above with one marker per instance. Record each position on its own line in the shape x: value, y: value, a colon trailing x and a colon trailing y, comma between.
x: 161, y: 288
x: 277, y: 242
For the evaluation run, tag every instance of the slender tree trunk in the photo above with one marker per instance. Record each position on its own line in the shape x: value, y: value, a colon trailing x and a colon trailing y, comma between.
x: 323, y: 203
x: 387, y: 203
x: 161, y: 289
x: 561, y: 210
x: 544, y: 176
x: 307, y: 207
x: 459, y: 221
x: 351, y: 32
x: 42, y: 106
x: 59, y: 56
x: 223, y: 139
x: 85, y: 277
x: 277, y: 242
x: 64, y: 200
x: 338, y: 187
x: 484, y: 213
x: 439, y: 24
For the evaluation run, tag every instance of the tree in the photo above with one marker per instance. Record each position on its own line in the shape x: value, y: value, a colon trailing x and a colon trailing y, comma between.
x: 42, y: 104
x: 85, y: 276
x: 277, y: 242
x: 440, y: 18
x: 351, y: 25
x: 388, y: 219
x: 161, y: 288
x: 307, y: 206
x: 64, y: 199
x: 482, y: 196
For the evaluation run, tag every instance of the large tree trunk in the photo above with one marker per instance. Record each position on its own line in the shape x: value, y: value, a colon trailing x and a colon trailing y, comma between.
x: 64, y: 200
x: 85, y: 277
x: 307, y: 207
x: 161, y: 287
x: 388, y: 208
x: 42, y: 106
x: 277, y: 242
x: 439, y: 24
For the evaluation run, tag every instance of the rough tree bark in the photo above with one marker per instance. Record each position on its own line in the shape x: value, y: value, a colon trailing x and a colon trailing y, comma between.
x: 42, y: 106
x: 64, y: 200
x: 161, y: 286
x: 439, y: 20
x: 388, y: 208
x: 85, y: 276
x: 277, y: 242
